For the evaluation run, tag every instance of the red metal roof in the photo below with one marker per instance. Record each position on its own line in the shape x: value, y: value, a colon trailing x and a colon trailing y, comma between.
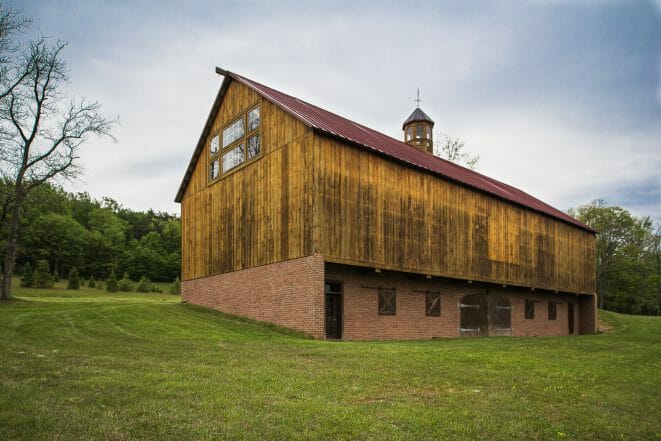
x: 336, y: 126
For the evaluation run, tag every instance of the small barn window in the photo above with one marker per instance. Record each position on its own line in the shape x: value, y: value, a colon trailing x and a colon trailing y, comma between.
x: 433, y: 303
x: 233, y: 132
x: 409, y: 133
x: 233, y: 158
x: 253, y: 119
x: 553, y: 310
x: 387, y: 301
x: 214, y: 169
x: 253, y: 146
x: 214, y: 144
x: 530, y: 309
x: 418, y: 131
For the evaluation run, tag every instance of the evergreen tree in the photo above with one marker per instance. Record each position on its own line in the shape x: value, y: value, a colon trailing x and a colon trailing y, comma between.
x: 144, y: 285
x: 111, y: 283
x: 42, y: 275
x: 175, y: 288
x: 74, y: 280
x: 92, y: 282
x: 125, y: 284
x: 99, y: 285
x: 56, y: 277
x: 27, y: 281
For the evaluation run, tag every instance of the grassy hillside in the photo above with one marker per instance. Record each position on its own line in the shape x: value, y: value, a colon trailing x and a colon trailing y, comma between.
x: 91, y: 365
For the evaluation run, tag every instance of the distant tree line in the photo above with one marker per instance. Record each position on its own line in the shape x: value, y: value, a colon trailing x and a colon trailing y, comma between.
x: 628, y: 258
x: 72, y: 230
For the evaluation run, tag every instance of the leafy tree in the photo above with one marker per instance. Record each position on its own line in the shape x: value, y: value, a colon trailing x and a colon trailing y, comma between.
x: 453, y: 149
x: 126, y: 284
x: 74, y: 280
x: 92, y: 282
x: 41, y: 129
x: 627, y: 258
x: 111, y: 283
x: 175, y: 288
x: 42, y: 275
x: 27, y: 281
x: 144, y: 285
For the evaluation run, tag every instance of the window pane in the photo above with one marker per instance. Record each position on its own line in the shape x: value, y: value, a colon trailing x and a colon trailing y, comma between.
x: 213, y: 169
x: 387, y: 301
x: 233, y: 158
x: 253, y: 119
x: 418, y: 131
x: 530, y: 309
x: 233, y: 132
x: 433, y: 302
x: 253, y: 146
x: 552, y: 310
x: 214, y: 144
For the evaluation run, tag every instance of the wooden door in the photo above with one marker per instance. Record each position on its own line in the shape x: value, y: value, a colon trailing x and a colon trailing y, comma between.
x: 570, y: 317
x: 333, y: 302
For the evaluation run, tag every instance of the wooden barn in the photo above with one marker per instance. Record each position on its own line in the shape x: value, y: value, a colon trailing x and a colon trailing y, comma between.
x: 297, y: 216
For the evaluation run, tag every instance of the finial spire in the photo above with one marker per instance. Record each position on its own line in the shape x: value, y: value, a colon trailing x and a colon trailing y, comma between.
x: 418, y: 100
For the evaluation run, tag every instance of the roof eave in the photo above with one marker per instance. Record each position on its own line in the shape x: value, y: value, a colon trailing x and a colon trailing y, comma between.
x: 205, y: 133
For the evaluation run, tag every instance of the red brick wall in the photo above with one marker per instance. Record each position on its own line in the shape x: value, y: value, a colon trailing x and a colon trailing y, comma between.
x: 363, y: 322
x: 289, y: 293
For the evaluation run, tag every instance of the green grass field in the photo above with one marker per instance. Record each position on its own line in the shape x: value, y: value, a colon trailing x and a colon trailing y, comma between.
x: 91, y: 365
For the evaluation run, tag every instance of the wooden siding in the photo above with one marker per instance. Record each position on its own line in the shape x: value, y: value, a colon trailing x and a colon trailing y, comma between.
x: 258, y: 214
x: 378, y: 213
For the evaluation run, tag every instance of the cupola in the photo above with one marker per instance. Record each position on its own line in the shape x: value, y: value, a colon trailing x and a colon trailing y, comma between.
x: 418, y: 130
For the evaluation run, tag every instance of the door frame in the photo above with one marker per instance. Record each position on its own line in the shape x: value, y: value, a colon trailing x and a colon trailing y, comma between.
x: 340, y: 310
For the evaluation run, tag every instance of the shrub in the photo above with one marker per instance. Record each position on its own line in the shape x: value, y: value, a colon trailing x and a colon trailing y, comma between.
x: 175, y: 288
x: 144, y: 285
x: 56, y: 277
x: 125, y: 284
x: 27, y: 281
x: 92, y: 282
x: 111, y: 283
x: 74, y: 280
x: 156, y: 288
x: 42, y: 276
x: 99, y: 284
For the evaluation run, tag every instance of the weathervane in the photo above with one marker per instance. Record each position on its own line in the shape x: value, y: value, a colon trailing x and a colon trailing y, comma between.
x: 418, y: 100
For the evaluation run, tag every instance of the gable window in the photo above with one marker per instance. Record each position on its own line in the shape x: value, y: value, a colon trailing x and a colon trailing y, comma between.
x: 387, y: 301
x: 553, y: 310
x: 214, y: 162
x: 433, y: 303
x: 233, y: 132
x: 213, y: 169
x: 530, y: 309
x: 237, y: 143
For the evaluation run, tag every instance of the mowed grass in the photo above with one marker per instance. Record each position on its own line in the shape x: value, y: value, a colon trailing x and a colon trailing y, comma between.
x: 91, y: 365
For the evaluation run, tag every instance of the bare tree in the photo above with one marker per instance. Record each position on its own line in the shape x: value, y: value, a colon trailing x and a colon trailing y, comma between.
x: 41, y: 129
x: 452, y: 149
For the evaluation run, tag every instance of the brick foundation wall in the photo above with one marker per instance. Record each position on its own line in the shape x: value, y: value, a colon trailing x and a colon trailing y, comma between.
x: 289, y: 293
x: 363, y: 322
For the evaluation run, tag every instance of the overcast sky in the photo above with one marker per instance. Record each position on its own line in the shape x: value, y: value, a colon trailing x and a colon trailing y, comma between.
x: 559, y: 98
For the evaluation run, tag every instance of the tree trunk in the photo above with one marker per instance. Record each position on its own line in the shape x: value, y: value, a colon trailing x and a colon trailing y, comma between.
x: 10, y: 245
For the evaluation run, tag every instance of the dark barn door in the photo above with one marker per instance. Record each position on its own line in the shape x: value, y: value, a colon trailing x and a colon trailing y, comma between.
x: 333, y: 302
x: 570, y: 317
x: 485, y: 314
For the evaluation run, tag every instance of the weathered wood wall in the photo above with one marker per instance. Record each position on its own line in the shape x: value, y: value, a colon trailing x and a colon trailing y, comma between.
x: 259, y: 213
x: 308, y: 193
x: 379, y: 213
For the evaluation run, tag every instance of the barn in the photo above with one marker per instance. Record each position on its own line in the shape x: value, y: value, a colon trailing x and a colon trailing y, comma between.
x: 297, y: 216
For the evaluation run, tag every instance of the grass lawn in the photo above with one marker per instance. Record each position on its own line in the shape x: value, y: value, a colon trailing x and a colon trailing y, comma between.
x: 91, y: 365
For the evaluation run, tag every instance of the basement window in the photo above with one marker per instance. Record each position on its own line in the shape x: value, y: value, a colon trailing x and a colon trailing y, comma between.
x: 433, y: 303
x: 387, y: 301
x: 553, y: 310
x: 530, y: 309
